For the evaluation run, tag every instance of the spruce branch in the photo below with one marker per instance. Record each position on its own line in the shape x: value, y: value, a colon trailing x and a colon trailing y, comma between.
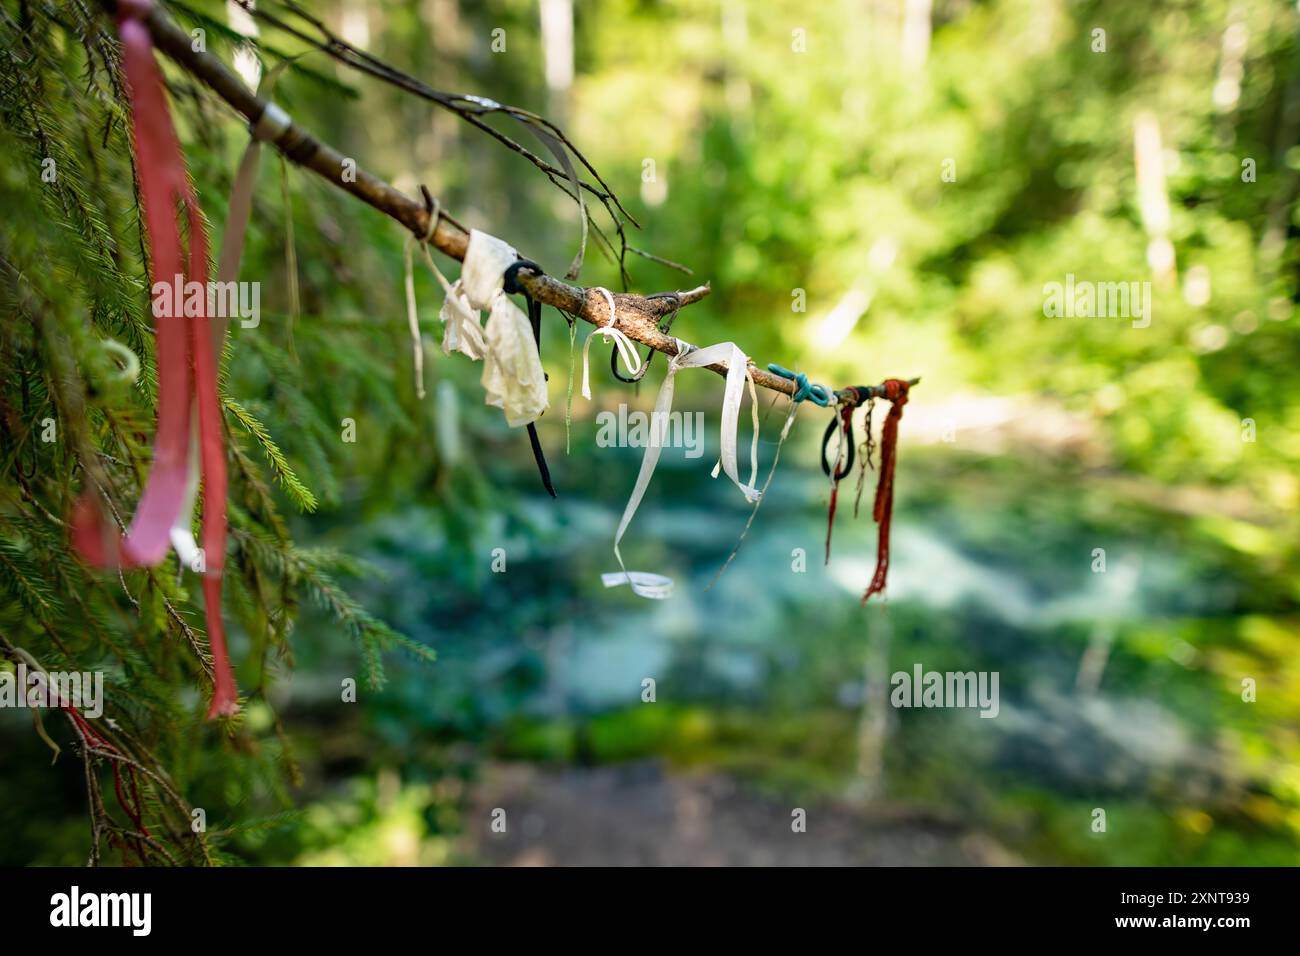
x: 302, y: 495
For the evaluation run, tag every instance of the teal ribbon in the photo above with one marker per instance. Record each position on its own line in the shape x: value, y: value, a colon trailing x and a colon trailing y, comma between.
x: 805, y: 391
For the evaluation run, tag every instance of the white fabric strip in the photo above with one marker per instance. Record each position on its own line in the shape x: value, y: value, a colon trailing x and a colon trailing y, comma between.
x: 182, y: 532
x: 463, y: 329
x: 413, y: 319
x: 737, y: 375
x: 776, y: 458
x: 658, y: 586
x: 486, y: 260
x: 512, y: 371
x: 626, y: 350
x: 513, y: 379
x: 272, y: 124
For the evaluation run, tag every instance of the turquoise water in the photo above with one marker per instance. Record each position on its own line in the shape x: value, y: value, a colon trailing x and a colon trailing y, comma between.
x: 1114, y: 692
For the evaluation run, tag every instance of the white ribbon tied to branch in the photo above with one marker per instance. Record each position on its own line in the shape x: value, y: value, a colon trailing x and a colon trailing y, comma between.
x: 626, y: 350
x: 512, y: 370
x: 462, y: 329
x: 658, y: 586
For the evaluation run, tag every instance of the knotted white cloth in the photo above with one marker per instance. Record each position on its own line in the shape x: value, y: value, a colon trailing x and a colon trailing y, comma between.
x: 658, y: 586
x: 513, y: 379
x: 486, y: 260
x: 626, y: 350
x: 512, y: 371
x: 462, y: 329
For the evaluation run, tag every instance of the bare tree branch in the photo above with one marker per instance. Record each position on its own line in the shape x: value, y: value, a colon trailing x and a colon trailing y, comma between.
x: 638, y: 316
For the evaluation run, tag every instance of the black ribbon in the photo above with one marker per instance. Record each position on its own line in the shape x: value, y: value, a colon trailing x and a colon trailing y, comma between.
x: 512, y: 287
x: 842, y: 423
x: 853, y: 396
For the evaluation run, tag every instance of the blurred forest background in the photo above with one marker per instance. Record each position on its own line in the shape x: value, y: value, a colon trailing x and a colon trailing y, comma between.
x: 919, y: 171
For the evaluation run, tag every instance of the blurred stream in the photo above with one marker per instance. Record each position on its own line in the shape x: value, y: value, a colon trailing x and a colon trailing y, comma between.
x: 1105, y: 699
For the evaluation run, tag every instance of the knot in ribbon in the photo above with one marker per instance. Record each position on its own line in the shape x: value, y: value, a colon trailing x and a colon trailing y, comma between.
x: 805, y: 391
x: 626, y: 350
x: 509, y: 345
x: 896, y: 390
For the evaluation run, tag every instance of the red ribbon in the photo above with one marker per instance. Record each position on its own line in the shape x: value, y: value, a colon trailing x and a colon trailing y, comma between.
x: 96, y: 742
x: 896, y: 393
x: 184, y: 347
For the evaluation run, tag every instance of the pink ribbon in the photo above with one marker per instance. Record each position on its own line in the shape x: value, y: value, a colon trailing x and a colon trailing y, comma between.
x: 184, y: 347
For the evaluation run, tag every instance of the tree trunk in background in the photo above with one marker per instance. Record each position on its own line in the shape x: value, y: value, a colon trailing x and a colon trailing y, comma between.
x: 1272, y: 243
x: 443, y: 24
x: 557, y: 49
x: 916, y: 33
x: 735, y: 41
x: 873, y: 725
x: 1153, y: 197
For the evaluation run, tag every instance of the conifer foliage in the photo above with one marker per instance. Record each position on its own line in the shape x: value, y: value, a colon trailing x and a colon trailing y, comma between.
x: 75, y: 415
